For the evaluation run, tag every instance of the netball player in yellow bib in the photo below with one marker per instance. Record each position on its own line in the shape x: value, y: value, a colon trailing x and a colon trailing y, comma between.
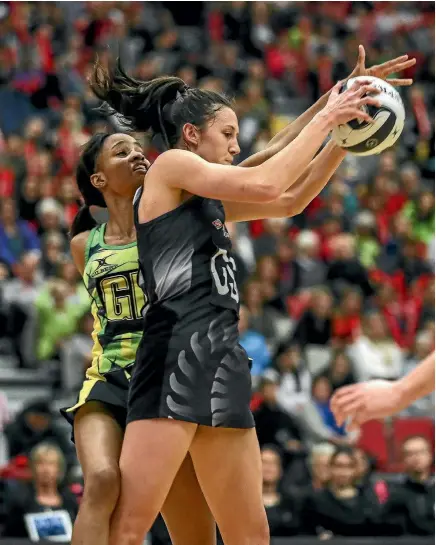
x: 110, y: 170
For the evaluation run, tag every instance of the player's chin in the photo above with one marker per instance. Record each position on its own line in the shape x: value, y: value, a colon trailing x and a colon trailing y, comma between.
x: 134, y: 181
x: 138, y: 175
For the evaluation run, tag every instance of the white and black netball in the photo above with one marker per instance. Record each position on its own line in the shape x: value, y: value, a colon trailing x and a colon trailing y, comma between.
x: 362, y: 138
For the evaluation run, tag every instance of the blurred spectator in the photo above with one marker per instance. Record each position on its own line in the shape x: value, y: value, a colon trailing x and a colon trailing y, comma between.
x: 368, y: 247
x: 14, y: 158
x: 427, y: 314
x: 77, y: 292
x: 347, y: 318
x: 268, y: 275
x: 44, y: 493
x: 374, y: 353
x: 19, y: 296
x: 422, y: 216
x: 76, y: 355
x: 274, y: 229
x: 28, y: 199
x: 321, y: 393
x: 410, y: 179
x: 341, y: 509
x: 254, y: 343
x: 411, y: 262
x: 50, y: 217
x: 333, y: 209
x: 316, y: 476
x: 344, y: 269
x: 57, y: 318
x: 287, y: 266
x: 389, y: 259
x: 263, y: 318
x: 339, y: 372
x: 273, y: 426
x: 395, y: 313
x: 317, y: 421
x: 53, y: 252
x: 410, y: 507
x: 16, y: 235
x: 310, y: 271
x: 375, y: 489
x: 295, y: 381
x: 315, y: 326
x: 282, y: 512
x: 33, y: 425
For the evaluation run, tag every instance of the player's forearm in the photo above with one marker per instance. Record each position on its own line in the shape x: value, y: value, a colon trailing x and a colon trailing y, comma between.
x: 287, y: 135
x: 419, y: 382
x: 288, y: 165
x: 318, y: 174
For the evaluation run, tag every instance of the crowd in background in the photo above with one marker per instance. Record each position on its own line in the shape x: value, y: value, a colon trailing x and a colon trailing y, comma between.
x: 344, y: 292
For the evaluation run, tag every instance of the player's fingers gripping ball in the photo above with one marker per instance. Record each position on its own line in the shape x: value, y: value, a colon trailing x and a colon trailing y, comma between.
x: 362, y: 138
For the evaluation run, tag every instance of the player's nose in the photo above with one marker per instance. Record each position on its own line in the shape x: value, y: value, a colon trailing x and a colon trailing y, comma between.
x: 234, y: 148
x: 137, y: 156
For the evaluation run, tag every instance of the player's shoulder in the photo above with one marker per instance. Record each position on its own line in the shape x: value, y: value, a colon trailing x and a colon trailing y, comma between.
x: 172, y: 160
x: 79, y: 241
x: 78, y: 249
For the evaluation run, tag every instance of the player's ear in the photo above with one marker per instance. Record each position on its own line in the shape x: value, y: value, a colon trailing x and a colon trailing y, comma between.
x: 190, y: 135
x: 98, y: 180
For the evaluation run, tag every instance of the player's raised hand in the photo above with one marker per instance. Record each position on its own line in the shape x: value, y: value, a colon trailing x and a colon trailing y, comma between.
x: 350, y: 104
x: 366, y: 401
x: 384, y: 70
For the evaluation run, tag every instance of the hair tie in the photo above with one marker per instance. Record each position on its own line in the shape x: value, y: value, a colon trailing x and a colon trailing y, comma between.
x: 183, y: 92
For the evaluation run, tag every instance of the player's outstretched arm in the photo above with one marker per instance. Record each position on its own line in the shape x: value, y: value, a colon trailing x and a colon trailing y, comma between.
x: 180, y: 169
x: 291, y: 131
x: 322, y: 167
x: 380, y: 399
x: 298, y: 196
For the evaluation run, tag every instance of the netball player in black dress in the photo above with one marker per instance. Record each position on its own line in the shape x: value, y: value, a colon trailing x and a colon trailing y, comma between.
x: 191, y: 386
x: 111, y: 168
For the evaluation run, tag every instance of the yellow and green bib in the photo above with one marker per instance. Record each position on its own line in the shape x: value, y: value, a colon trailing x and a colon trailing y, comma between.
x: 117, y: 302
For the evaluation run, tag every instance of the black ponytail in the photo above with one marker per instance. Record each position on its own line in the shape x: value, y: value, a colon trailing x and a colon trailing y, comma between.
x: 91, y: 195
x: 82, y: 222
x: 163, y: 104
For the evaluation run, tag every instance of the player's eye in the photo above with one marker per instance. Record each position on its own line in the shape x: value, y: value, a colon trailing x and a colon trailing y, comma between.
x: 121, y: 153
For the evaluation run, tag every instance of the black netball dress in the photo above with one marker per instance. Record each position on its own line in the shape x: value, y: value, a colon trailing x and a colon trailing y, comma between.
x: 189, y: 364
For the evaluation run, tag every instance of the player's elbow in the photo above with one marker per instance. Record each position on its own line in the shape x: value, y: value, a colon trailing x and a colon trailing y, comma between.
x: 290, y: 205
x: 268, y: 192
x: 263, y: 185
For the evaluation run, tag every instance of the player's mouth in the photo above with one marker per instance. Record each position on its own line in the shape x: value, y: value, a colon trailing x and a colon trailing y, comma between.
x: 140, y: 167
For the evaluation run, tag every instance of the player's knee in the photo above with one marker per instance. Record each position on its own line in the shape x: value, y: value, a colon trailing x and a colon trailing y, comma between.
x: 255, y: 533
x: 102, y: 486
x: 259, y: 534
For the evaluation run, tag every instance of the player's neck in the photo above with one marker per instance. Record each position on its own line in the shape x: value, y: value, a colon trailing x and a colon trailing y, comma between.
x: 121, y: 223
